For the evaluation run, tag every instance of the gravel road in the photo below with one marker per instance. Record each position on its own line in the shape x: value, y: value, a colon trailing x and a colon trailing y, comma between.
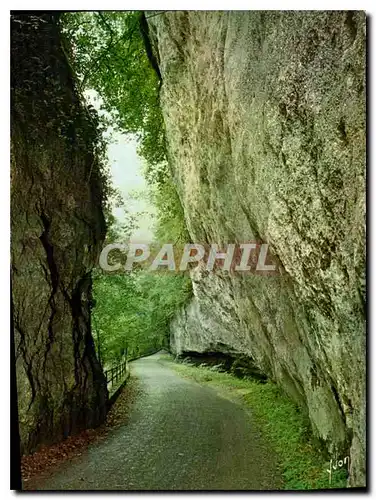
x: 179, y: 436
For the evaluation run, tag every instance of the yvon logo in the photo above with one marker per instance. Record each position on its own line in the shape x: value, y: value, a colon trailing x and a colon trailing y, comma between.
x: 338, y: 464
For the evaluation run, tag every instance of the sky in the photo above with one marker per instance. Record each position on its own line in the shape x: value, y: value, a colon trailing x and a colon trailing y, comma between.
x: 126, y: 171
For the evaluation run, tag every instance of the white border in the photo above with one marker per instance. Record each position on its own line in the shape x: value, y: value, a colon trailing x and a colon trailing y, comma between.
x: 195, y: 5
x: 4, y: 170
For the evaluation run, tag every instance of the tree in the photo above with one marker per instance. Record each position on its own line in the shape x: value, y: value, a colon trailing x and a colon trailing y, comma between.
x: 108, y: 55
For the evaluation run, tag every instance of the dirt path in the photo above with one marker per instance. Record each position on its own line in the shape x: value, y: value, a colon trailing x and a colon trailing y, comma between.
x: 179, y: 436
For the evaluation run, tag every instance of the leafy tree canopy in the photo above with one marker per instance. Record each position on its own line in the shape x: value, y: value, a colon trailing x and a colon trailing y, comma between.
x: 109, y: 56
x: 133, y: 311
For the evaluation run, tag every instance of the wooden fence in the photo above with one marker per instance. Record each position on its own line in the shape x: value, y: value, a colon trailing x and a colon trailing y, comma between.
x: 116, y: 373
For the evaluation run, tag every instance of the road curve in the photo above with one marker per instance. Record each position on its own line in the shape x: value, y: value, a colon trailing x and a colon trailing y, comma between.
x: 179, y: 436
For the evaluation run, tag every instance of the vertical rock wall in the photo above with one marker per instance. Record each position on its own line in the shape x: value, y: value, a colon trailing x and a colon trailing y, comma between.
x: 57, y: 227
x: 265, y: 120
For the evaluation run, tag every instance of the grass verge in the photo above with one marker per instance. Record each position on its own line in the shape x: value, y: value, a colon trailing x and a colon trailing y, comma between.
x: 280, y: 421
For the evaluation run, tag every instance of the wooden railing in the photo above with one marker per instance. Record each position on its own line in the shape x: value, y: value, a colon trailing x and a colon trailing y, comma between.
x: 116, y: 373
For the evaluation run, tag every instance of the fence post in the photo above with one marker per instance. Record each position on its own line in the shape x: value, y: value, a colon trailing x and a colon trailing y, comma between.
x: 116, y: 373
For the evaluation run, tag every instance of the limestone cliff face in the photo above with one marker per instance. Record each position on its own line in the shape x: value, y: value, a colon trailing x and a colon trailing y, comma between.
x: 265, y: 119
x: 57, y: 227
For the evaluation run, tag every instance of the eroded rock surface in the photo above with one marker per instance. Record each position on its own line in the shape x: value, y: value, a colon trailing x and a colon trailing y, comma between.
x: 57, y: 228
x: 265, y: 119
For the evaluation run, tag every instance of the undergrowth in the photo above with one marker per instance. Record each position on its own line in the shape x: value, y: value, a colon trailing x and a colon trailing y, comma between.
x: 282, y: 424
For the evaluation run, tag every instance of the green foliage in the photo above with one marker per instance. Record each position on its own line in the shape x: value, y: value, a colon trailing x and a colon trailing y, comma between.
x: 170, y: 226
x: 120, y: 231
x: 133, y: 311
x: 283, y: 425
x: 108, y: 55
